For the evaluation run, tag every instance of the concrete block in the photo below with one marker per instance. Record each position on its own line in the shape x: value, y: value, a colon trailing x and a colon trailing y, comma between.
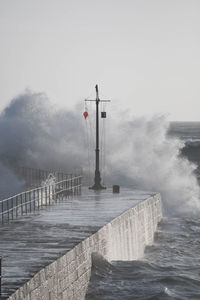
x: 82, y: 269
x: 68, y: 294
x: 91, y: 241
x: 42, y: 275
x: 35, y: 282
x: 61, y: 274
x: 70, y: 256
x: 36, y: 294
x: 49, y: 270
x: 72, y: 266
x: 73, y: 276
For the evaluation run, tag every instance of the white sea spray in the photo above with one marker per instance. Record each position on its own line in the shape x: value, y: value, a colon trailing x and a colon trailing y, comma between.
x: 144, y: 156
x: 139, y: 152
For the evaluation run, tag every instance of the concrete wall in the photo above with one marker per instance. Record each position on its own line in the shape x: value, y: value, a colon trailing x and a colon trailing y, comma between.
x: 124, y: 238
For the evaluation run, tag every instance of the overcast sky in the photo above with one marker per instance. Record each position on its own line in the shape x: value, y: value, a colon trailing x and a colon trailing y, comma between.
x: 144, y: 54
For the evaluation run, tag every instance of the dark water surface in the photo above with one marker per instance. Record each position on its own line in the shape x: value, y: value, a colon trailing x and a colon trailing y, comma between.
x: 170, y: 268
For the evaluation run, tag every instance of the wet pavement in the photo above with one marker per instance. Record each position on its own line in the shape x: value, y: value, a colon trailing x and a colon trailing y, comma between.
x: 31, y: 242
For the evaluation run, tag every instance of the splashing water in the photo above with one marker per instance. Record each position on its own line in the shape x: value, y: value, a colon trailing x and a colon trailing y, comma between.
x: 34, y: 133
x: 139, y: 151
x: 50, y: 181
x: 147, y: 158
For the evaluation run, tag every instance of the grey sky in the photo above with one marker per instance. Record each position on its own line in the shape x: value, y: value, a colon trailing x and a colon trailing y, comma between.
x: 144, y: 54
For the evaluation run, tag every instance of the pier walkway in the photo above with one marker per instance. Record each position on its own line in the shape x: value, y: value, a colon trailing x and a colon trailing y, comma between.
x: 31, y: 242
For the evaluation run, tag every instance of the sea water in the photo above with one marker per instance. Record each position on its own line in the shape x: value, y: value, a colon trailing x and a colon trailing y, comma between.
x: 170, y: 268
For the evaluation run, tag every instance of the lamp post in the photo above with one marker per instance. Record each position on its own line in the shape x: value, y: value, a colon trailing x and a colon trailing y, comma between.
x: 97, y: 178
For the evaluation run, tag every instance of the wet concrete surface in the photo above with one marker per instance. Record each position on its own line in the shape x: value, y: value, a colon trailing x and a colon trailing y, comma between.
x: 31, y: 242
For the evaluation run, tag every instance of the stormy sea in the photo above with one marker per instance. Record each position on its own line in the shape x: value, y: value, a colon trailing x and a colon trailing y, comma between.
x: 142, y: 153
x: 170, y: 268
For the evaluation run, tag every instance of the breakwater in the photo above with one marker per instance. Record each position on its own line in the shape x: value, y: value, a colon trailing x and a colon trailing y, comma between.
x: 126, y: 224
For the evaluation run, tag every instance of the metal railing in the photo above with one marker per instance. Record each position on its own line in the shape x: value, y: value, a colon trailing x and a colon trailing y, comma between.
x: 32, y: 200
x: 34, y: 177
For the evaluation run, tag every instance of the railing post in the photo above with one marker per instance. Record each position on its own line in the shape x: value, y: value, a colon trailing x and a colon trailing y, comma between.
x: 21, y: 198
x: 45, y: 195
x: 49, y: 195
x: 12, y: 208
x: 34, y: 200
x: 25, y: 204
x: 16, y: 205
x: 41, y: 196
x: 2, y: 211
x: 67, y: 185
x: 7, y: 209
x: 55, y: 192
x: 79, y: 185
x: 74, y: 189
x: 38, y: 198
x: 52, y: 193
x: 31, y: 204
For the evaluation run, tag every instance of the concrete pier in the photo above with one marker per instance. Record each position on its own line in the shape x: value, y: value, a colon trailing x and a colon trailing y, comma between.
x: 54, y: 247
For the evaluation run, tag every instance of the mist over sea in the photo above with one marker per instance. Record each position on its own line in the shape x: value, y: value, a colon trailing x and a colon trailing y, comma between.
x: 145, y: 153
x: 137, y: 152
x: 170, y: 268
